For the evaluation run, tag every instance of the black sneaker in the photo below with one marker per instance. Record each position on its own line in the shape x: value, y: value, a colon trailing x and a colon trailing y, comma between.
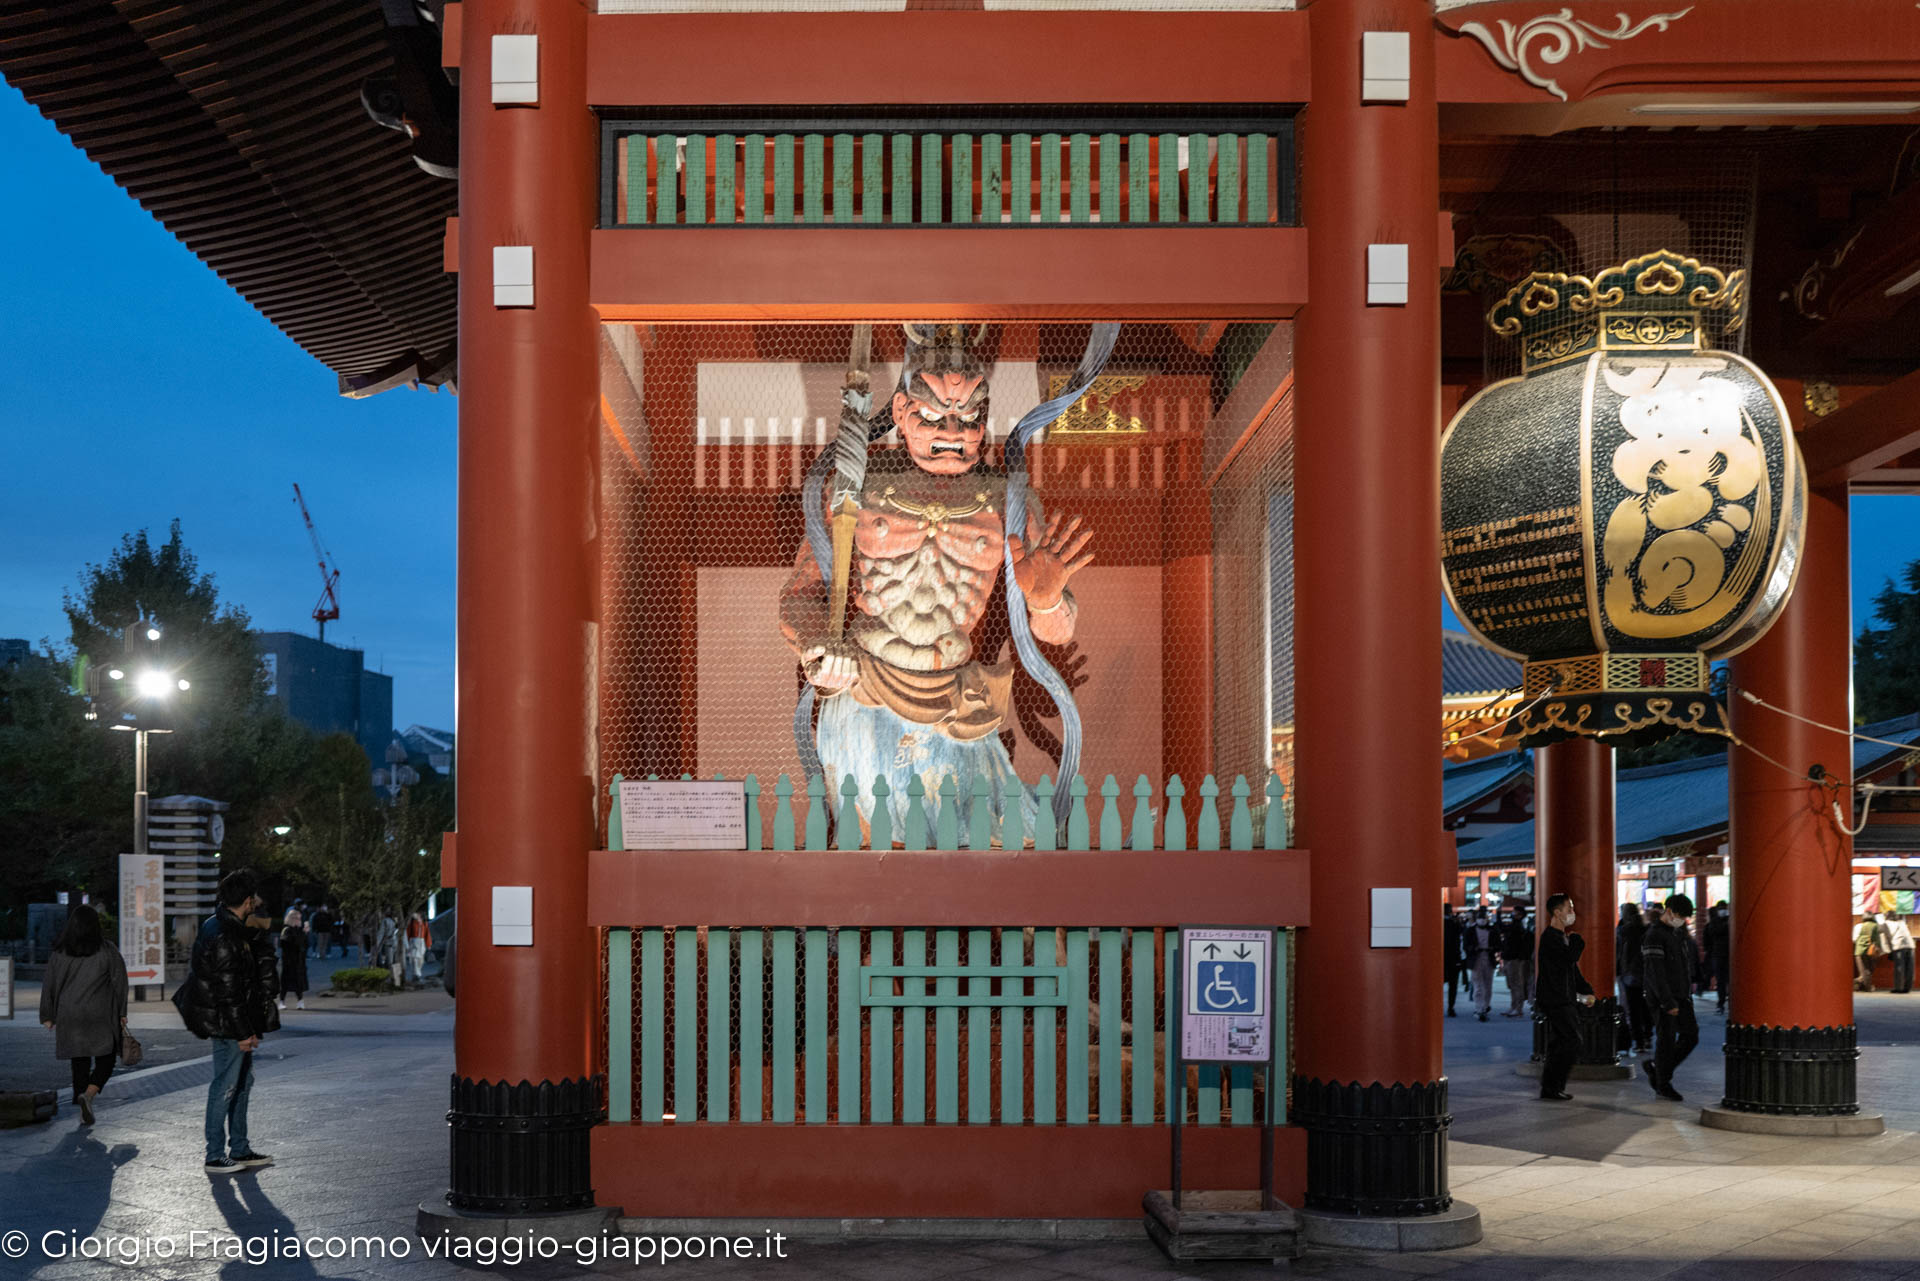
x: 1653, y: 1077
x: 251, y: 1158
x: 1483, y: 1016
x: 221, y: 1165
x: 1668, y: 1092
x: 1557, y: 1096
x: 86, y: 1107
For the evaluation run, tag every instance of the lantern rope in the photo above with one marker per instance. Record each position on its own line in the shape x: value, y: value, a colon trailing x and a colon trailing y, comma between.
x: 1758, y: 701
x: 1496, y: 730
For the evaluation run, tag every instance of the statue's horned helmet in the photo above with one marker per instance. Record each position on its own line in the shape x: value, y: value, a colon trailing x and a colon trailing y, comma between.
x: 942, y: 349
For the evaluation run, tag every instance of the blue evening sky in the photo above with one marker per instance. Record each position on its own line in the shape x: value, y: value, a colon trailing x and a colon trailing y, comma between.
x: 135, y: 387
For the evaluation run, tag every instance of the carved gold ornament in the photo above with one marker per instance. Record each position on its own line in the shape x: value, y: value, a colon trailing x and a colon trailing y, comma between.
x: 1555, y: 37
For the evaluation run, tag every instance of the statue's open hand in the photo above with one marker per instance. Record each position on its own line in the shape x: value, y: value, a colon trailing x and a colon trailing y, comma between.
x: 1055, y: 555
x: 831, y: 666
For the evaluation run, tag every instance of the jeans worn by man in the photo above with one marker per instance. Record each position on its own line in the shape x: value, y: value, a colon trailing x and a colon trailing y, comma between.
x: 229, y: 999
x: 227, y: 1097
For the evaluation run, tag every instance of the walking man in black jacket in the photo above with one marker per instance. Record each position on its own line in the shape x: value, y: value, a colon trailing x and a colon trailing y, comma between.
x: 1670, y: 965
x: 229, y: 998
x: 1451, y: 957
x: 1561, y: 989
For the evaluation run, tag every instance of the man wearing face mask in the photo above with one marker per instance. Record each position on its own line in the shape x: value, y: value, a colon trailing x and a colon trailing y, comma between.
x: 1562, y: 989
x: 1670, y: 959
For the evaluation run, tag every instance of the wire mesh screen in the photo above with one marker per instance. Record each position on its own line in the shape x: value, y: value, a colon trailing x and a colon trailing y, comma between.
x: 1154, y: 564
x: 1584, y: 201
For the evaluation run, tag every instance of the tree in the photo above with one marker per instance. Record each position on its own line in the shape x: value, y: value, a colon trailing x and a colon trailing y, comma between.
x: 1886, y: 659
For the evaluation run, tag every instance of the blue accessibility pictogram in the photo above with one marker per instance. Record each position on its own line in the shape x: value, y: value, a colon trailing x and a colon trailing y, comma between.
x: 1229, y: 987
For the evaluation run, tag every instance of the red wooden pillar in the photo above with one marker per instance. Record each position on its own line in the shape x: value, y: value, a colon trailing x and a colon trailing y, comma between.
x: 523, y: 1093
x: 1367, y: 674
x: 1574, y: 854
x: 1790, y: 1031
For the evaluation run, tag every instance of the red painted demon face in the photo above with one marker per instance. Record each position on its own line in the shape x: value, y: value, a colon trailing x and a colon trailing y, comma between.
x: 943, y: 419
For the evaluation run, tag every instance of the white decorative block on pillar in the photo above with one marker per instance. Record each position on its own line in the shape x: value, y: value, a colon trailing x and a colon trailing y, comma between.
x: 1393, y: 918
x: 1387, y: 275
x: 513, y: 916
x: 1386, y: 66
x: 513, y: 275
x: 516, y: 69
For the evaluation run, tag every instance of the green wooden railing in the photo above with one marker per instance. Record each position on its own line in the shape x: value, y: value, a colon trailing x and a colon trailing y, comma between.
x: 983, y: 173
x: 1022, y: 1023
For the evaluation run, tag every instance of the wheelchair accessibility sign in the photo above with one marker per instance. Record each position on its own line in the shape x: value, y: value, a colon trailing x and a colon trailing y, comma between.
x: 1226, y: 1014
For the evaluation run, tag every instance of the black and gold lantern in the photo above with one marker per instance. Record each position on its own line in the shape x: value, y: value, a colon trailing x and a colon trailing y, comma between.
x: 1627, y: 510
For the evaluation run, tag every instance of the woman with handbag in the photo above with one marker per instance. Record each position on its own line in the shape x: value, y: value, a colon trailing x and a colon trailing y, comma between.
x: 84, y: 1001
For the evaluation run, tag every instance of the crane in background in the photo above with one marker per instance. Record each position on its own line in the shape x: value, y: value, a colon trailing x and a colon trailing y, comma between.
x: 327, y: 608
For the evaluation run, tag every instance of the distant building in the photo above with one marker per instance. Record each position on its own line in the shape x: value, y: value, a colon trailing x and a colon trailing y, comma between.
x: 433, y: 747
x: 328, y: 689
x: 15, y: 652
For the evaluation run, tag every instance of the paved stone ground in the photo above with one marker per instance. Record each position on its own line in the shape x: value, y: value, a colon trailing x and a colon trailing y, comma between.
x: 1615, y: 1183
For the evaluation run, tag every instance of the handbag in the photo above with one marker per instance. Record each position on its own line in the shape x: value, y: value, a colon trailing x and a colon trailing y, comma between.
x: 131, y: 1051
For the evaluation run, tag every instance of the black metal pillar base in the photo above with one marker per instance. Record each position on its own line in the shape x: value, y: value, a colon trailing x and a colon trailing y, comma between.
x: 1376, y: 1150
x: 1791, y: 1071
x: 1599, y: 1034
x: 523, y: 1149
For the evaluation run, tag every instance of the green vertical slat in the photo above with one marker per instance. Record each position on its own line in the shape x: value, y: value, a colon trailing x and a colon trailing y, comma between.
x: 619, y: 1026
x: 1240, y: 826
x: 961, y: 185
x: 696, y: 184
x: 1079, y: 976
x: 881, y: 837
x: 1013, y: 1020
x: 990, y: 175
x: 1169, y: 148
x: 754, y: 178
x: 653, y: 1024
x: 753, y: 1019
x: 913, y: 832
x: 846, y: 827
x: 1049, y: 177
x: 1146, y: 1048
x: 1080, y: 178
x: 686, y: 1024
x: 1046, y: 1033
x: 873, y: 181
x: 1229, y: 183
x: 782, y: 997
x: 1176, y: 826
x: 666, y: 179
x: 843, y: 177
x: 783, y: 813
x: 1110, y: 838
x: 1207, y: 1102
x: 1206, y: 831
x: 813, y: 177
x: 616, y: 838
x: 1139, y: 157
x: 946, y: 824
x: 980, y: 1030
x: 783, y: 177
x: 719, y: 1023
x: 639, y: 174
x: 913, y: 1033
x: 1257, y: 206
x: 980, y: 813
x: 1013, y: 828
x: 1275, y: 835
x: 1109, y: 177
x: 1174, y: 1104
x: 1142, y: 814
x: 1282, y: 1002
x: 930, y: 178
x: 902, y: 178
x: 1240, y: 1094
x: 816, y: 813
x: 751, y: 786
x: 817, y: 1025
x: 1197, y: 202
x: 946, y: 1032
x: 1020, y: 180
x: 1077, y: 835
x: 880, y: 1061
x: 1045, y: 828
x: 1112, y: 969
x: 723, y: 161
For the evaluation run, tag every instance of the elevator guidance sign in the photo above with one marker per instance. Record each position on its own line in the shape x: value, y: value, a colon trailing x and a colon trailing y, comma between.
x: 1226, y: 1005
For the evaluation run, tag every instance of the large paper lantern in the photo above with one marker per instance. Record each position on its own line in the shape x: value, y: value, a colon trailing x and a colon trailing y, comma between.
x: 1628, y: 509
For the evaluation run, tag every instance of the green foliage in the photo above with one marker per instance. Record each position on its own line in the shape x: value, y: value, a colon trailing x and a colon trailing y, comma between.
x: 1886, y: 659
x: 371, y: 979
x: 369, y: 854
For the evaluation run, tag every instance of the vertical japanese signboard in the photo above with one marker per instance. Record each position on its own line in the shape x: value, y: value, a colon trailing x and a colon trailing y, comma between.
x: 143, y: 919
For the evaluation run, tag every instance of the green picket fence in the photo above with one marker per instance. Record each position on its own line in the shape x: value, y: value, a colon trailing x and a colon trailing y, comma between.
x: 1160, y: 173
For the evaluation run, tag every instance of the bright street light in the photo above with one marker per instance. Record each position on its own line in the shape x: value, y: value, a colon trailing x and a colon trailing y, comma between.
x: 153, y: 684
x: 153, y: 633
x: 282, y: 830
x: 185, y: 685
x: 114, y: 673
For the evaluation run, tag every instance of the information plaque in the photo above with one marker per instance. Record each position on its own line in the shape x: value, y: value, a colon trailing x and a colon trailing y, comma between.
x: 679, y: 814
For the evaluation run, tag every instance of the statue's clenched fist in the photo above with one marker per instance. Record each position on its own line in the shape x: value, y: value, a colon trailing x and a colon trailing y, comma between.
x: 831, y: 666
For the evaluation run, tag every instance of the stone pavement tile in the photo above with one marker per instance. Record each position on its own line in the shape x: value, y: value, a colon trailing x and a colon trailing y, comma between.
x: 1830, y: 1269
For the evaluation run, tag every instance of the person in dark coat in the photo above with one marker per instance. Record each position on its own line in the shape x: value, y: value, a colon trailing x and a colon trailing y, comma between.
x: 1451, y: 941
x: 293, y: 961
x: 84, y: 1001
x: 228, y: 998
x: 1561, y: 990
x: 1516, y: 958
x: 1628, y: 968
x: 1671, y: 960
x: 1720, y: 950
x: 1481, y: 950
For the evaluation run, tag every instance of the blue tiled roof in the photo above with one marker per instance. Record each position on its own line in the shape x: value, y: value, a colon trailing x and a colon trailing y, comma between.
x: 1468, y: 667
x: 1467, y: 783
x: 1659, y: 805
